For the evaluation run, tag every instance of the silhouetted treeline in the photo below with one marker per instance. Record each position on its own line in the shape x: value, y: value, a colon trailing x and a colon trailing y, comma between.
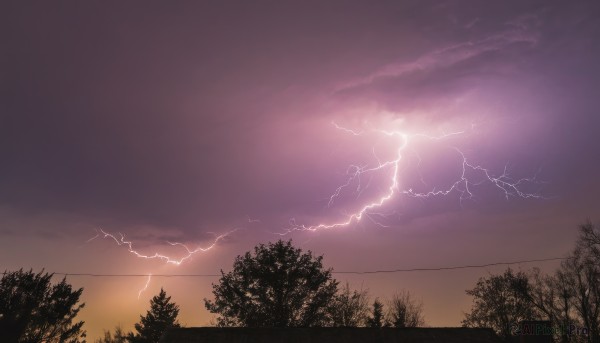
x: 278, y: 285
x: 569, y: 299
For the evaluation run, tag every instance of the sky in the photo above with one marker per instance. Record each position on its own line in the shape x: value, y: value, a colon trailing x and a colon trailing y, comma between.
x: 432, y: 133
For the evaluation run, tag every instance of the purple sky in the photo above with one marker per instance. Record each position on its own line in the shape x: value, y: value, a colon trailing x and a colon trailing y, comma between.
x: 180, y: 121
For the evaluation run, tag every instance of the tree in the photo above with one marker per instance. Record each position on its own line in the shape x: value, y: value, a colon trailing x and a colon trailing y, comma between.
x: 498, y: 303
x: 118, y: 337
x: 552, y: 297
x: 277, y: 286
x: 405, y: 312
x: 161, y: 316
x: 589, y: 240
x: 571, y: 297
x: 376, y: 320
x: 350, y: 308
x: 582, y: 273
x: 32, y: 309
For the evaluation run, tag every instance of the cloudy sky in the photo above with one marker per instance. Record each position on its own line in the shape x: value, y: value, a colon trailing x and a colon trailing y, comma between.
x: 183, y: 122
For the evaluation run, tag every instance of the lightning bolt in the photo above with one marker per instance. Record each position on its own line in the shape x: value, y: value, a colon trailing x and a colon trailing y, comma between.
x: 463, y: 185
x: 145, y: 286
x: 91, y: 239
x: 252, y: 220
x: 120, y: 240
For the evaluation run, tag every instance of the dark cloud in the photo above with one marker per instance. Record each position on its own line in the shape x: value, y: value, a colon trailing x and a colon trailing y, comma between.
x: 176, y: 121
x: 193, y: 116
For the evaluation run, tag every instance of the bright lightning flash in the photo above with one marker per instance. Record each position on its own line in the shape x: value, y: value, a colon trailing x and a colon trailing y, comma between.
x: 463, y: 184
x: 120, y: 240
x: 145, y: 286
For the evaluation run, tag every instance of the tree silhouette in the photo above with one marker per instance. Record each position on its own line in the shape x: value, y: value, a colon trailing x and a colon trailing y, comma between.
x: 376, y: 320
x: 582, y: 270
x: 571, y: 296
x: 277, y: 286
x: 32, y: 309
x: 117, y: 337
x: 161, y: 316
x: 350, y: 308
x: 404, y: 311
x: 552, y: 296
x: 498, y: 303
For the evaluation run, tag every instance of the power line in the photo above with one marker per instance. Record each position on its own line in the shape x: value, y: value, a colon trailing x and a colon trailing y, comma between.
x: 333, y: 272
x: 451, y: 268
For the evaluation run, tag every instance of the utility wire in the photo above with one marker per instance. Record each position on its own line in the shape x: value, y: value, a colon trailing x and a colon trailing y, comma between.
x: 333, y: 272
x: 451, y: 268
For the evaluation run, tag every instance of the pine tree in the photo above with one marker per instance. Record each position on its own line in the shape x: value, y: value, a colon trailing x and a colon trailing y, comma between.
x: 34, y: 310
x: 117, y: 337
x: 161, y: 316
x: 376, y: 321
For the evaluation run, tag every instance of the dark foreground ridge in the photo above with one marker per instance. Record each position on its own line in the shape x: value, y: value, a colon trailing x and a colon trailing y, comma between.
x: 328, y: 335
